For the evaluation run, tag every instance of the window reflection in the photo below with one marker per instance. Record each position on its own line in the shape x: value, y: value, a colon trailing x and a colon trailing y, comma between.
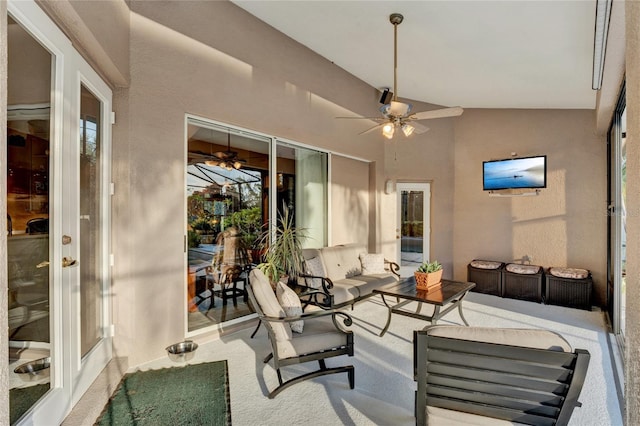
x: 28, y: 154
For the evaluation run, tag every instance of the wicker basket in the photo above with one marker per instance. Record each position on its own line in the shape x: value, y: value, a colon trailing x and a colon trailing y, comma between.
x: 428, y: 281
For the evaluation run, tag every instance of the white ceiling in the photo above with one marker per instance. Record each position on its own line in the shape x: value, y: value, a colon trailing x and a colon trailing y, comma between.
x: 475, y: 54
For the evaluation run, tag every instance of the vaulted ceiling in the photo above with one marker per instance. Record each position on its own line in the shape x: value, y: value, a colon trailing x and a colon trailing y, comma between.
x: 476, y: 54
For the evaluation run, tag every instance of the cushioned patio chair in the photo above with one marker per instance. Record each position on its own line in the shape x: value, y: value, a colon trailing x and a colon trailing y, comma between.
x: 322, y: 337
x: 496, y: 376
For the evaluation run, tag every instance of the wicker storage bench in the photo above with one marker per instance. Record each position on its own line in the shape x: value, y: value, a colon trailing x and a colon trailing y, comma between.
x: 487, y: 274
x: 522, y: 282
x: 569, y: 287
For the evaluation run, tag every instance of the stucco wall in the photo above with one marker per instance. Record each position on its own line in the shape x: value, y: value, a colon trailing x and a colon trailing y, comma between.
x: 99, y: 30
x: 4, y: 324
x: 349, y: 201
x: 566, y: 225
x: 632, y: 336
x: 214, y: 60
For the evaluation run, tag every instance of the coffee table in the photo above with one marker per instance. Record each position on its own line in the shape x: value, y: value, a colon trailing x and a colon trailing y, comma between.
x: 449, y: 293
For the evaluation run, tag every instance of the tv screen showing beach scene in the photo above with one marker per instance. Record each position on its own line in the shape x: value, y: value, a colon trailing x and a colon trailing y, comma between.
x: 527, y: 172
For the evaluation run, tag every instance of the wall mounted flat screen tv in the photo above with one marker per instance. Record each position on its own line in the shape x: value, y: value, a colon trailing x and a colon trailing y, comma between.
x: 510, y: 173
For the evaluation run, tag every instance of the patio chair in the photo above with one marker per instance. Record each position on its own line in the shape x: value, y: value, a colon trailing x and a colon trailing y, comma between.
x: 476, y: 375
x: 228, y: 267
x: 322, y: 336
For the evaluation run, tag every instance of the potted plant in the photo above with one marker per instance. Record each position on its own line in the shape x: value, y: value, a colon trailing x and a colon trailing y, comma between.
x: 428, y: 275
x: 283, y: 254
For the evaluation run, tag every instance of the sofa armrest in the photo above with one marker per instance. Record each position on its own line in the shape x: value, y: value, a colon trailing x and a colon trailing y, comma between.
x: 312, y: 293
x: 393, y: 267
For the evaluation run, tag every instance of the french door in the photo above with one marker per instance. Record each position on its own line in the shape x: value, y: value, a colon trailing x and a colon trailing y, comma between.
x: 58, y: 196
x: 617, y: 259
x: 413, y: 228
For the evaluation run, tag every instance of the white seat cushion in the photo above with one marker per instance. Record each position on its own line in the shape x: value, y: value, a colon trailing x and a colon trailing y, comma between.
x: 342, y: 261
x: 319, y: 334
x: 529, y: 338
x: 437, y: 416
x: 485, y: 264
x: 269, y: 305
x: 573, y: 273
x: 517, y: 268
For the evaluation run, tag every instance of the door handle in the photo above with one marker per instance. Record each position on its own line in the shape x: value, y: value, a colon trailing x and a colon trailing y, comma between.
x: 42, y: 264
x: 69, y: 261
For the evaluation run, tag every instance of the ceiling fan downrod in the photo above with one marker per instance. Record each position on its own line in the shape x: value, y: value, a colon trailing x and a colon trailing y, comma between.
x: 396, y: 19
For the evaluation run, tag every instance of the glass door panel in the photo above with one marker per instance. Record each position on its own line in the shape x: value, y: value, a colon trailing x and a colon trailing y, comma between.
x: 301, y: 186
x: 57, y: 315
x: 28, y: 155
x: 91, y: 279
x: 227, y: 174
x: 413, y: 228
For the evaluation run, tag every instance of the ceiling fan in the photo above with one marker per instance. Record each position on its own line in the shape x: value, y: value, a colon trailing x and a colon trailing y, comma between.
x: 397, y: 115
x: 228, y: 159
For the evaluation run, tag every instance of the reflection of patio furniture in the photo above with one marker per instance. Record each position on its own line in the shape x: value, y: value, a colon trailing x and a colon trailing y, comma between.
x: 228, y: 268
x: 23, y: 315
x: 39, y: 225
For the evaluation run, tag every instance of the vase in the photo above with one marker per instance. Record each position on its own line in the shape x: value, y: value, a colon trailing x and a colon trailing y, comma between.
x: 428, y: 280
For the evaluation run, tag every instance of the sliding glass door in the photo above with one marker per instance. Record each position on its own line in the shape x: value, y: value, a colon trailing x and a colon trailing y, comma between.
x: 617, y: 219
x: 237, y: 182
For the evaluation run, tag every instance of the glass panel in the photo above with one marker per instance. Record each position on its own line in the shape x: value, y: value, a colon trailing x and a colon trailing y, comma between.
x: 28, y: 153
x: 412, y: 228
x: 302, y: 187
x: 227, y: 209
x: 90, y: 222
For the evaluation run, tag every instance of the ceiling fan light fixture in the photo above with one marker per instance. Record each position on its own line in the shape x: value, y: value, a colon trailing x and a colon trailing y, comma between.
x: 399, y: 108
x: 211, y: 163
x: 388, y: 130
x: 408, y: 129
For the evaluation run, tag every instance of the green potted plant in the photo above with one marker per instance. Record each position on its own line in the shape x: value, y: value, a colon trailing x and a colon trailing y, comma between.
x: 283, y: 254
x: 428, y: 275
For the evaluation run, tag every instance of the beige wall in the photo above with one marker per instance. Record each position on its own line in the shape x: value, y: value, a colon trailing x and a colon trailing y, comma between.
x: 214, y: 60
x: 99, y: 30
x: 4, y: 324
x: 566, y: 225
x: 632, y: 336
x: 349, y: 201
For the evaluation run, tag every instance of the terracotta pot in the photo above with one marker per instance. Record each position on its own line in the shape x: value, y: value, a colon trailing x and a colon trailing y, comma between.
x: 428, y: 281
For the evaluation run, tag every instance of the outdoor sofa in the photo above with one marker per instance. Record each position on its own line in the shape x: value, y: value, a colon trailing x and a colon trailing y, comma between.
x: 342, y: 275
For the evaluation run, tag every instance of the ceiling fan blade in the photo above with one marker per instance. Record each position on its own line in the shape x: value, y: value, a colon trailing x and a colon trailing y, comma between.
x: 437, y: 113
x: 377, y: 126
x: 419, y: 128
x: 363, y: 118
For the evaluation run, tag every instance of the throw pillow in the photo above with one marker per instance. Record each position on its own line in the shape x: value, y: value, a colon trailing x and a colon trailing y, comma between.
x: 315, y: 268
x: 372, y: 263
x: 291, y: 304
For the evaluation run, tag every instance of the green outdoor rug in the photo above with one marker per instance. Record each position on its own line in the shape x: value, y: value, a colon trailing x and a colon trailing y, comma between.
x: 196, y: 394
x: 21, y: 399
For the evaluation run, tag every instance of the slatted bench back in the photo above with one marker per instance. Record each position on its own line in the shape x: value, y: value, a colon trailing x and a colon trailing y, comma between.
x: 524, y: 385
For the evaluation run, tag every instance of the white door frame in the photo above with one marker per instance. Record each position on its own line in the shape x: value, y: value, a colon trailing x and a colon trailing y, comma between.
x: 414, y: 186
x: 71, y: 374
